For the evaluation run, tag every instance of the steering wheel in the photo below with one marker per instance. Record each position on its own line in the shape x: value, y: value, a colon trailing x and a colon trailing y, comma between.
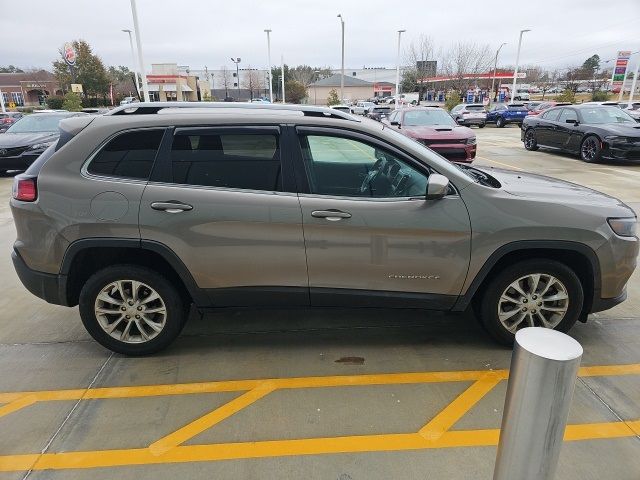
x: 371, y: 176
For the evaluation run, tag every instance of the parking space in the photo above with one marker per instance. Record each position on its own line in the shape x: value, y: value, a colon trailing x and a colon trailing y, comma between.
x: 306, y: 393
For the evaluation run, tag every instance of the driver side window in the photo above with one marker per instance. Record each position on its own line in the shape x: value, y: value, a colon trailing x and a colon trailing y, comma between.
x: 341, y: 166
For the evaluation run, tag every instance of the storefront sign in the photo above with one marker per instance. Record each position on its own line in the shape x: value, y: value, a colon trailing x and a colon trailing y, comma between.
x: 620, y: 71
x: 69, y: 54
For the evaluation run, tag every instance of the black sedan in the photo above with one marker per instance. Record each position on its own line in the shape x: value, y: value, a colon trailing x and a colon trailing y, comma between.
x: 595, y: 132
x: 26, y: 139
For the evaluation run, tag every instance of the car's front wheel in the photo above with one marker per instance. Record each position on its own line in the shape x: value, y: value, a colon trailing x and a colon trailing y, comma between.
x: 530, y: 139
x: 531, y: 293
x: 481, y: 125
x: 591, y: 149
x: 500, y: 122
x: 131, y: 310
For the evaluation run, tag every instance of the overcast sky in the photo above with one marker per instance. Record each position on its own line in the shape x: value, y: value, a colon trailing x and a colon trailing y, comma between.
x: 206, y: 32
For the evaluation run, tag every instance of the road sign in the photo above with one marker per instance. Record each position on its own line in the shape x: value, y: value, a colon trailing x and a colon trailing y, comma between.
x: 12, y: 105
x: 76, y: 88
x: 69, y: 54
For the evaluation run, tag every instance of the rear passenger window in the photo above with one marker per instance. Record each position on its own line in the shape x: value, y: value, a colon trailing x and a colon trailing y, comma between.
x: 248, y: 161
x: 129, y: 155
x: 551, y: 115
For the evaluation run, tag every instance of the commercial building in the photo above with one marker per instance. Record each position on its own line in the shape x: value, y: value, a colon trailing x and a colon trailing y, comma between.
x: 167, y: 83
x: 354, y: 89
x: 28, y: 88
x: 243, y: 84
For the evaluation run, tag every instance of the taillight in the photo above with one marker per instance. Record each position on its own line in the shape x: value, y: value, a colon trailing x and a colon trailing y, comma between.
x: 25, y: 188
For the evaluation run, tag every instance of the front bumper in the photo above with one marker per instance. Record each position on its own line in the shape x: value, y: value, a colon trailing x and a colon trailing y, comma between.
x: 19, y: 162
x: 49, y: 287
x: 622, y: 152
x: 455, y: 152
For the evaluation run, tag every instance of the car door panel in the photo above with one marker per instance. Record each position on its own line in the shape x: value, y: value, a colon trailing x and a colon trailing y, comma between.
x: 383, y: 248
x: 230, y: 239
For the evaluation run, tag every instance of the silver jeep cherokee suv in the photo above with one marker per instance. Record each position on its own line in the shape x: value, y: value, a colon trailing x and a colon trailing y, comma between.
x: 140, y: 213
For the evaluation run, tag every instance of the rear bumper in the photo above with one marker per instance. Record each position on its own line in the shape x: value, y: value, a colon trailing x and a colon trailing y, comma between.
x: 472, y: 121
x: 601, y: 304
x: 47, y: 286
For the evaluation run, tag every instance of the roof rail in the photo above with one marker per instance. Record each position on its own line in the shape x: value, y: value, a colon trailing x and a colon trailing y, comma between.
x: 146, y: 108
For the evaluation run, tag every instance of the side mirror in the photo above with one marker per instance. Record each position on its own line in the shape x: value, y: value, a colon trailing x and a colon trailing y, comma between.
x: 437, y: 186
x: 395, y: 123
x: 575, y: 122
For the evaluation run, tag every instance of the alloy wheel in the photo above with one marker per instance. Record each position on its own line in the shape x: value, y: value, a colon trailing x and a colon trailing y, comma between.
x: 130, y: 311
x: 534, y: 300
x: 530, y: 139
x: 589, y: 148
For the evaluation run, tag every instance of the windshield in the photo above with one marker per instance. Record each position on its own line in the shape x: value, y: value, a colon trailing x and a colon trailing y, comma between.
x: 601, y: 115
x: 418, y: 118
x: 37, y: 123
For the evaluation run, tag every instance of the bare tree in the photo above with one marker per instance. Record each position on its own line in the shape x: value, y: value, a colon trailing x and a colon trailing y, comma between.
x: 252, y: 81
x: 416, y: 56
x: 466, y: 59
x: 226, y: 80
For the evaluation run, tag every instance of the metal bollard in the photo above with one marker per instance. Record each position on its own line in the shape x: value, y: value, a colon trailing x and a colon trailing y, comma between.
x: 544, y: 368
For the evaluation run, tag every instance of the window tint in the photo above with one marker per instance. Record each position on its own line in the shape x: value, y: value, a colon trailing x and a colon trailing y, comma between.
x: 568, y: 114
x: 344, y: 167
x: 551, y: 115
x: 248, y: 161
x: 129, y: 155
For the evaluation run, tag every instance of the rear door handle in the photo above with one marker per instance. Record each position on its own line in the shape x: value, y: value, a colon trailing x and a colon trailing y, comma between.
x: 331, y: 215
x: 171, y: 206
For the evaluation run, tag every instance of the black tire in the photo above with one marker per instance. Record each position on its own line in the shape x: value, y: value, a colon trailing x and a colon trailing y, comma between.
x: 481, y: 125
x: 530, y: 140
x: 176, y: 313
x: 591, y: 149
x: 500, y: 122
x: 489, y: 302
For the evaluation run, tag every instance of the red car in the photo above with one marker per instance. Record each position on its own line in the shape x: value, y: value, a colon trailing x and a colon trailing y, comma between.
x: 546, y: 106
x: 435, y: 128
x: 7, y: 119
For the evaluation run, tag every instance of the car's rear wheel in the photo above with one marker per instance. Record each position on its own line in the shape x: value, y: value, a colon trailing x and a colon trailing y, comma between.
x: 531, y: 293
x: 131, y: 310
x: 530, y: 139
x: 591, y: 149
x: 500, y: 122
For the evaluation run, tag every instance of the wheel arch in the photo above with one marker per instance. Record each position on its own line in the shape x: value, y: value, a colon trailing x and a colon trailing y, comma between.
x: 84, y: 257
x: 577, y: 256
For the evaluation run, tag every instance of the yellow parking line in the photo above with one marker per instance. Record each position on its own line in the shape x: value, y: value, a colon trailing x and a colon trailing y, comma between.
x: 210, y: 419
x: 169, y: 449
x: 461, y: 405
x: 17, y: 404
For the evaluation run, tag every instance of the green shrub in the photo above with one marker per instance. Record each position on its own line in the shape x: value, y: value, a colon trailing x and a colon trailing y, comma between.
x: 55, y: 102
x: 72, y: 102
x: 566, y: 96
x: 453, y: 99
x: 600, y: 96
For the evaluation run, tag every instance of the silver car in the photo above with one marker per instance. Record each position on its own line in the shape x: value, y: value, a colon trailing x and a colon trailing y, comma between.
x: 139, y: 214
x: 470, y: 114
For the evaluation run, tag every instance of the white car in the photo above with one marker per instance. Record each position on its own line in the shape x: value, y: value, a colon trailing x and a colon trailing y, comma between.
x: 362, y: 108
x: 127, y: 100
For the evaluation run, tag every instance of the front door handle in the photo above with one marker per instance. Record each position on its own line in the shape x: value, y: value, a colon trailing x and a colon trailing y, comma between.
x: 171, y: 206
x: 331, y: 215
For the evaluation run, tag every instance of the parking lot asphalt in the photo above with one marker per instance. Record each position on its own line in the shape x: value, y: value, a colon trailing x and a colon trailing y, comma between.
x: 306, y: 393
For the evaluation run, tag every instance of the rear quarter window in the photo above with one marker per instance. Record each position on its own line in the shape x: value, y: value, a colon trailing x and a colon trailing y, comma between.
x: 128, y: 155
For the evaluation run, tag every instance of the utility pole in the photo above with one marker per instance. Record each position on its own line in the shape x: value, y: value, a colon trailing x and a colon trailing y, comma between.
x: 268, y: 32
x: 495, y: 66
x: 237, y: 62
x: 133, y: 61
x: 515, y: 73
x: 400, y: 32
x: 136, y: 28
x: 282, y: 68
x: 342, y: 76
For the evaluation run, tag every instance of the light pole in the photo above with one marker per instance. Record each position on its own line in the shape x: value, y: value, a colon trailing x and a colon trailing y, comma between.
x: 237, y: 62
x: 282, y: 68
x: 133, y: 61
x: 136, y: 28
x: 2, y: 108
x: 515, y: 73
x: 268, y: 32
x: 400, y: 32
x: 495, y: 66
x: 342, y: 76
x: 315, y: 87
